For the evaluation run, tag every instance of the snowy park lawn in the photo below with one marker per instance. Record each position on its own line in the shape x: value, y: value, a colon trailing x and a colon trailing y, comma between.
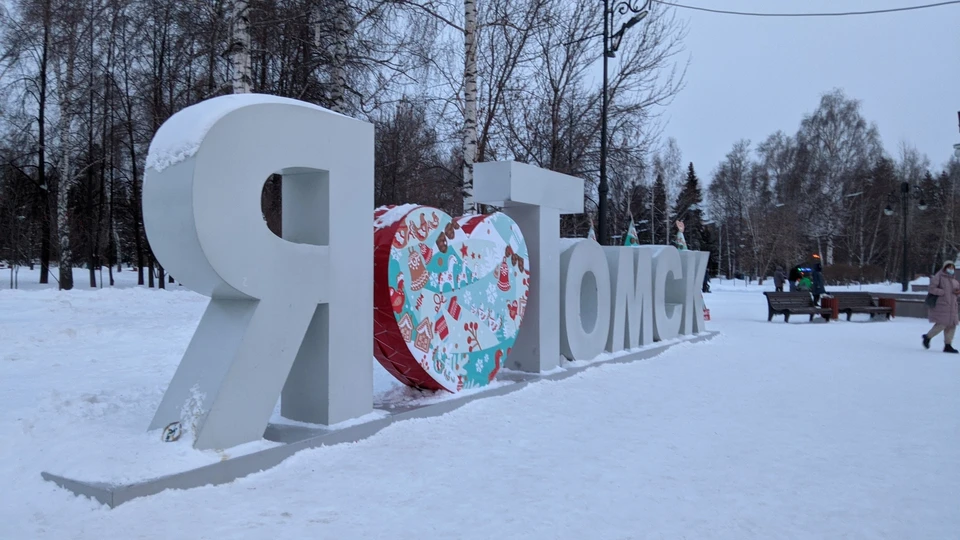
x: 772, y: 430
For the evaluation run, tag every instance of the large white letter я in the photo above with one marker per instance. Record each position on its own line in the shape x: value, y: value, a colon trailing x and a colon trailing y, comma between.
x: 301, y: 303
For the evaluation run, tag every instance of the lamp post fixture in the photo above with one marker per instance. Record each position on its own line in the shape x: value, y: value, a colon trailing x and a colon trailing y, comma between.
x: 611, y: 42
x: 906, y: 193
x: 956, y: 147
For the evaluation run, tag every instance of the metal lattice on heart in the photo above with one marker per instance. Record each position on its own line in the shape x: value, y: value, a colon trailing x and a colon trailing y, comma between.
x: 449, y: 295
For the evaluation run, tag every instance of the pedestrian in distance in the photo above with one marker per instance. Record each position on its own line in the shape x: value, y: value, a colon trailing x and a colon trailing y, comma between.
x: 795, y: 276
x: 943, y: 315
x: 778, y: 279
x: 817, y: 286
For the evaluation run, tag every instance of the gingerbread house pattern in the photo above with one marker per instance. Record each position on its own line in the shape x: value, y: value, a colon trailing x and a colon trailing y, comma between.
x: 457, y: 291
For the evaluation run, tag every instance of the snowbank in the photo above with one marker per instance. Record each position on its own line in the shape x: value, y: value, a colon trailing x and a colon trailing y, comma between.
x: 773, y: 430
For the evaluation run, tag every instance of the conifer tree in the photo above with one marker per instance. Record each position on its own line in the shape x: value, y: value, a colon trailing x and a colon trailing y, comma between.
x: 659, y: 213
x: 689, y: 209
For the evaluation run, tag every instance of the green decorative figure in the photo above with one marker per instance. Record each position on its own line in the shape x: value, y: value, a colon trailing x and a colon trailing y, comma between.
x: 681, y: 242
x: 631, y: 238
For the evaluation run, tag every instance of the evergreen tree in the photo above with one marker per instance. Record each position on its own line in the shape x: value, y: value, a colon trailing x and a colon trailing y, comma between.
x: 659, y: 225
x: 688, y: 209
x: 945, y: 197
x: 710, y: 243
x: 638, y: 208
x: 928, y: 228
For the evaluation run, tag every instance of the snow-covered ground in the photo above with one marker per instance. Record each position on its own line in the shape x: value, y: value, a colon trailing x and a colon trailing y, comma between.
x: 772, y: 430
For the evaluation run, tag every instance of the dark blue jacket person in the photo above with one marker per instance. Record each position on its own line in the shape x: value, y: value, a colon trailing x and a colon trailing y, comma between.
x: 818, y: 286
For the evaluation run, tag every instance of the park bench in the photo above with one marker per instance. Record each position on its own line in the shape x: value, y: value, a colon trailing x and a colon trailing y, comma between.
x: 861, y: 302
x: 794, y: 303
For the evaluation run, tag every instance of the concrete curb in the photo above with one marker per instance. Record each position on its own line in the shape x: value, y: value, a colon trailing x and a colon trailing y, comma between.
x: 298, y: 439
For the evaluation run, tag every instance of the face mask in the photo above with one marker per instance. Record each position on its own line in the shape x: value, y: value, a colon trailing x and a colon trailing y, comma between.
x: 950, y: 271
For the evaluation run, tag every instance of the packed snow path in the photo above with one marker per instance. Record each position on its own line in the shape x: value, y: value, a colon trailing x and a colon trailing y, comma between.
x: 839, y: 430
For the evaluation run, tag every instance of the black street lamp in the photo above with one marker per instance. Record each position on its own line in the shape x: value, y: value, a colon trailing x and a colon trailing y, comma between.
x: 611, y: 42
x: 956, y: 147
x: 906, y: 193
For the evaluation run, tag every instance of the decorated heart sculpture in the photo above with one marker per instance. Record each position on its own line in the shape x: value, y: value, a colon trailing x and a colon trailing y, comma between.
x: 449, y: 295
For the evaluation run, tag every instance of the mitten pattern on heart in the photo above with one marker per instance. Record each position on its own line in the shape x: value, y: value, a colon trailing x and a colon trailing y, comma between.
x: 449, y: 295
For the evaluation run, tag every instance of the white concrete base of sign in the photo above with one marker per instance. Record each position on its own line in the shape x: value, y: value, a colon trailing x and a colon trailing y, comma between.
x: 297, y: 437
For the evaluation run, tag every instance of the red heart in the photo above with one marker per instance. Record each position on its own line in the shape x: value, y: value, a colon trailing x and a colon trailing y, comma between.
x: 446, y: 271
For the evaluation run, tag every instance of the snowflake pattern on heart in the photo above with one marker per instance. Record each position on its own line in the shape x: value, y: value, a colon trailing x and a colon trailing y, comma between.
x: 450, y: 295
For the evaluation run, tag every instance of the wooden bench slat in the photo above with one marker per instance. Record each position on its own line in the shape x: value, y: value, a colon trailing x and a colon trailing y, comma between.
x: 794, y: 303
x: 860, y: 302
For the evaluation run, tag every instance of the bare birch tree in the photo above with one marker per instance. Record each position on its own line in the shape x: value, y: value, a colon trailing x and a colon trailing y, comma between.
x: 469, y: 101
x: 840, y: 142
x: 241, y: 75
x: 338, y: 56
x: 66, y: 72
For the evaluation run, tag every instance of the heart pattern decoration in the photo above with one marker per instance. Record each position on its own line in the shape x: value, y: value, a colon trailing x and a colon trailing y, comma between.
x: 449, y: 295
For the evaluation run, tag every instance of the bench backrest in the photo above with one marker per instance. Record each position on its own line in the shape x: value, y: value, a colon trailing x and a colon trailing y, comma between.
x: 855, y: 299
x: 789, y: 299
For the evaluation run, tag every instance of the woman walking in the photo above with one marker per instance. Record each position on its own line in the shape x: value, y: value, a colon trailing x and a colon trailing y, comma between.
x: 944, y: 316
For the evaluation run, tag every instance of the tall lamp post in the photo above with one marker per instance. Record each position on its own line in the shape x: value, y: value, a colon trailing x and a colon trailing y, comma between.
x: 611, y: 42
x: 906, y: 193
x: 956, y: 147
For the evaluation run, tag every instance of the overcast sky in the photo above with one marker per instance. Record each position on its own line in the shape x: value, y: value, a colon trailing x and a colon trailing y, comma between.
x: 749, y: 77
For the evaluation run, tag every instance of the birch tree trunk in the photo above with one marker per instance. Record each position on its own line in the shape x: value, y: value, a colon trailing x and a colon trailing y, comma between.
x: 950, y: 231
x: 65, y: 173
x: 135, y: 180
x: 873, y: 241
x: 653, y: 217
x: 338, y: 54
x: 731, y: 272
x: 93, y: 239
x: 469, y: 101
x: 863, y: 233
x: 42, y: 148
x: 719, y: 249
x: 109, y: 140
x: 241, y: 76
